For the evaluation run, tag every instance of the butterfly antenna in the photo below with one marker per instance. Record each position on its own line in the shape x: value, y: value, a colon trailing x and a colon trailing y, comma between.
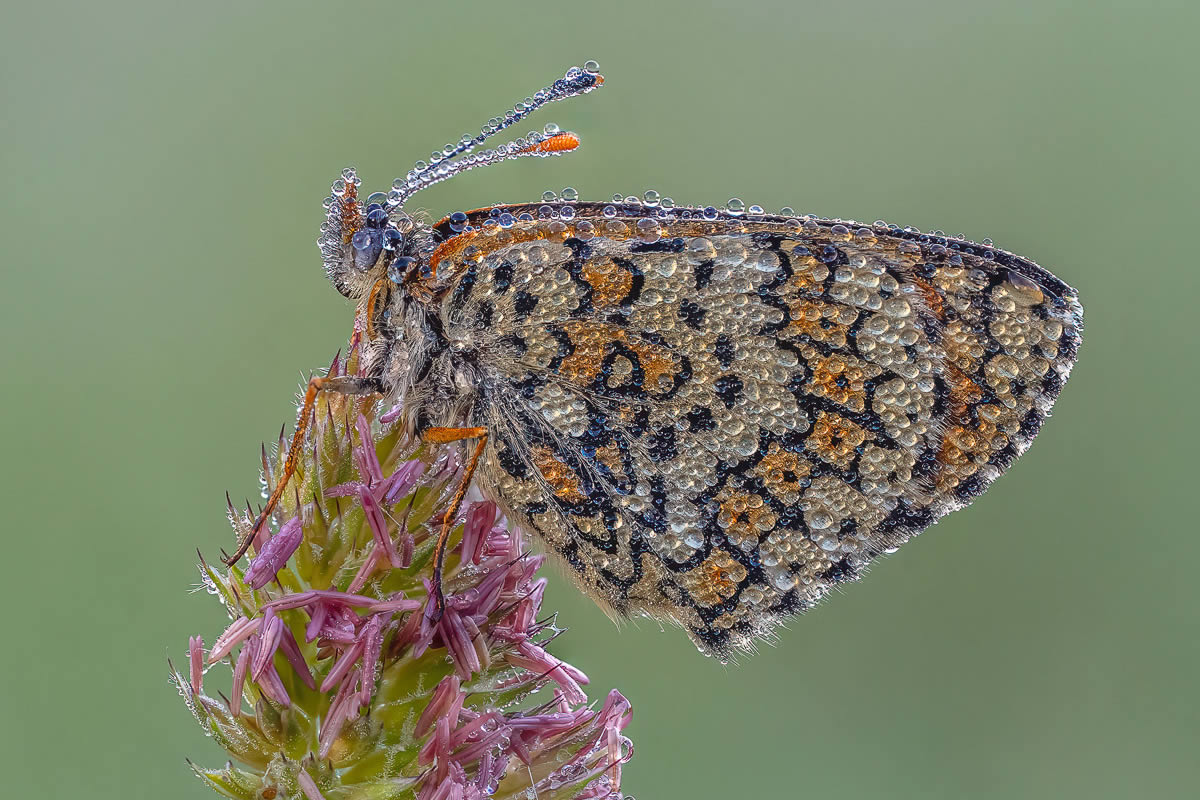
x: 455, y: 159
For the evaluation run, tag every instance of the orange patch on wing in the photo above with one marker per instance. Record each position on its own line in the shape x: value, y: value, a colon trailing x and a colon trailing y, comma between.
x: 967, y: 443
x: 610, y: 456
x: 743, y: 516
x: 657, y: 363
x: 835, y: 438
x: 817, y: 320
x: 715, y: 580
x: 592, y: 342
x: 610, y: 284
x: 561, y: 478
x: 840, y: 382
x: 933, y: 300
x: 782, y: 471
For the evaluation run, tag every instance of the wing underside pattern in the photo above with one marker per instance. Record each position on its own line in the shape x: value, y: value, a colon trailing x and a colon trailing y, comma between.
x: 715, y: 425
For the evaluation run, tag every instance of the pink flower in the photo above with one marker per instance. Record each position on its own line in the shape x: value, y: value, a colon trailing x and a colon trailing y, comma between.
x: 378, y: 694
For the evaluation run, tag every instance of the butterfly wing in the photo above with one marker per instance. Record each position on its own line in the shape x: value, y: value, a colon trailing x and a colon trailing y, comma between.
x: 715, y: 421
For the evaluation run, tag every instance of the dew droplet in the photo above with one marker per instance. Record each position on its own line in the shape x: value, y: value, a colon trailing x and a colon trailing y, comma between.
x: 392, y: 239
x: 651, y: 198
x: 570, y: 194
x: 399, y: 268
x: 648, y: 231
x: 735, y: 206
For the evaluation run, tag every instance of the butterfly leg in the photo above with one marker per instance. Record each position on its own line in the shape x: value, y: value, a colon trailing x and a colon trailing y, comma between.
x: 442, y: 436
x: 344, y: 384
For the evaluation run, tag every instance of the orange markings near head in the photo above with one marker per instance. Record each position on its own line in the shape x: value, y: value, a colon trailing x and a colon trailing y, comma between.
x: 351, y: 216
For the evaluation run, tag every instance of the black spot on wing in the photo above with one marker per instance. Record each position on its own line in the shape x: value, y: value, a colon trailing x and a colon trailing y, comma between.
x: 661, y: 246
x: 729, y: 389
x: 724, y: 351
x: 525, y: 303
x: 692, y: 314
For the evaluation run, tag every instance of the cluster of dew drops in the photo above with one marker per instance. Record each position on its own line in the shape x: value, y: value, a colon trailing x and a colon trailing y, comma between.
x: 655, y: 210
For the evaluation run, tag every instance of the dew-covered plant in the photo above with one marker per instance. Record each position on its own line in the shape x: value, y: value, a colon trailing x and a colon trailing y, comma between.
x: 346, y: 682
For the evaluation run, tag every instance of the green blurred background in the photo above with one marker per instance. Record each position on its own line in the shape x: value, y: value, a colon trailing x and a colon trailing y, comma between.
x: 162, y: 298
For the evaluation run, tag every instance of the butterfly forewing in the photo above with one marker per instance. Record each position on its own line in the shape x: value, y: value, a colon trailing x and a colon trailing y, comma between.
x: 715, y: 419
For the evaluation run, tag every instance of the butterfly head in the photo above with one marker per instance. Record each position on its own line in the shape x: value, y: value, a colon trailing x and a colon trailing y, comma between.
x: 361, y: 240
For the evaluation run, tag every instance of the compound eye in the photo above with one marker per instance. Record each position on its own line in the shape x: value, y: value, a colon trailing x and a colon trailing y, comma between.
x: 376, y: 218
x: 366, y: 246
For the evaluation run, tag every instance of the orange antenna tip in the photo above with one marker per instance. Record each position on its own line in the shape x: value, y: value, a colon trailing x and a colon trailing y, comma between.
x: 558, y: 143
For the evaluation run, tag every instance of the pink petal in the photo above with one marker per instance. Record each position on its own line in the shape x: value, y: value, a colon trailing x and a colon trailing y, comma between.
x: 328, y: 595
x: 478, y: 524
x: 369, y: 565
x: 268, y: 642
x: 402, y: 480
x: 238, y: 631
x: 308, y: 786
x: 343, y: 706
x: 341, y: 626
x: 458, y: 644
x: 372, y: 644
x: 398, y: 603
x: 274, y: 554
x: 240, y: 670
x: 196, y: 661
x: 297, y: 600
x: 343, y: 666
x: 317, y: 622
x: 537, y: 660
x: 442, y: 697
x: 374, y: 514
x: 272, y: 686
x: 393, y: 415
x: 291, y: 650
x: 368, y: 461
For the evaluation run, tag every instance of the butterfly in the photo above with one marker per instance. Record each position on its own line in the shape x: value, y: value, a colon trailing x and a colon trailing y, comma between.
x: 712, y: 416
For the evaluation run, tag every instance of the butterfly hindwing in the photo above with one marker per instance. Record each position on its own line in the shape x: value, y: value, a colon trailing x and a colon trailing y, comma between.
x: 716, y: 421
